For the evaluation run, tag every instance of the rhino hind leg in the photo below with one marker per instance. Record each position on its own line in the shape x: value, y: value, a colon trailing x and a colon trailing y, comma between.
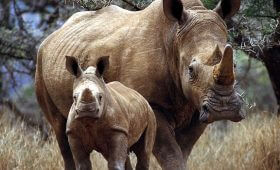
x: 166, y: 149
x: 141, y: 153
x: 57, y: 121
x: 143, y: 148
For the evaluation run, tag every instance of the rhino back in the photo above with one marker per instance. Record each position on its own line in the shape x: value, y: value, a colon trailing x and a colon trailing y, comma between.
x: 131, y: 39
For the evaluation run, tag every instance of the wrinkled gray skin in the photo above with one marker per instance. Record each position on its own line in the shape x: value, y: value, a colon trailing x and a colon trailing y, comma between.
x: 109, y: 118
x: 223, y: 101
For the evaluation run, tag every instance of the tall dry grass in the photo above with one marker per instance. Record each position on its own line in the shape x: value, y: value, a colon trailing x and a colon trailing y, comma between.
x: 252, y: 144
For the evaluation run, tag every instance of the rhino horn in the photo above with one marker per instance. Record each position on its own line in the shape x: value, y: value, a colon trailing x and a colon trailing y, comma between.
x: 224, y: 71
x: 87, y: 96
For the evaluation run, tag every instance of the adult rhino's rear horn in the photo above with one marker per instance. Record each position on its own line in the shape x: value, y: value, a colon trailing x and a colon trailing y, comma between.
x: 87, y: 96
x: 224, y: 71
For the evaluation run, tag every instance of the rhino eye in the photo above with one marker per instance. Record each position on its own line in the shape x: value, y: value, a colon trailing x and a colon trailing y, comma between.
x: 75, y: 97
x: 192, y: 72
x: 190, y: 69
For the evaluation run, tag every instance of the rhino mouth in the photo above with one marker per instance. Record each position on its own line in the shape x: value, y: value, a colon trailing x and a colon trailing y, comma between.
x: 88, y: 114
x: 204, y: 114
x: 87, y: 111
x: 209, y: 115
x: 221, y: 107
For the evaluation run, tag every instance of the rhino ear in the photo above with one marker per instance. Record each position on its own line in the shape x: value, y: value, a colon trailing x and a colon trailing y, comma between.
x: 174, y: 10
x: 72, y: 66
x: 227, y: 8
x: 102, y: 65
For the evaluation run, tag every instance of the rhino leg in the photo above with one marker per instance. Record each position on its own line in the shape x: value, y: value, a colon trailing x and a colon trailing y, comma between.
x: 57, y: 121
x: 63, y: 144
x: 117, y: 153
x: 59, y: 126
x: 188, y: 136
x: 143, y: 148
x: 81, y: 157
x: 142, y: 154
x: 166, y: 149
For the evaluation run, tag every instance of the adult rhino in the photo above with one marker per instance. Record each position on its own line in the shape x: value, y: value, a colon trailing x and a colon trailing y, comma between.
x: 173, y: 52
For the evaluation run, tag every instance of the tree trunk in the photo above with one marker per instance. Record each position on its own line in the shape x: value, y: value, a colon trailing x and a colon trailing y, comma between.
x: 271, y: 60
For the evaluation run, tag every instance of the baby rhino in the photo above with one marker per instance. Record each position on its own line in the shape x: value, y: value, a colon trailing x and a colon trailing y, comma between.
x: 109, y: 118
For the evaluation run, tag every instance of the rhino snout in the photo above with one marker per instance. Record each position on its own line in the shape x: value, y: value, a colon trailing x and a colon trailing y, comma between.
x: 204, y: 114
x: 218, y: 107
x: 239, y: 116
x: 90, y: 110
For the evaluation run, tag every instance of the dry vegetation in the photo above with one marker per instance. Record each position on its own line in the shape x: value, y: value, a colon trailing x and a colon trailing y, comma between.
x: 252, y: 144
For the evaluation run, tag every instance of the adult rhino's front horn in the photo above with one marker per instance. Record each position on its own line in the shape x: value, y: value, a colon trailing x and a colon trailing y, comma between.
x: 224, y: 71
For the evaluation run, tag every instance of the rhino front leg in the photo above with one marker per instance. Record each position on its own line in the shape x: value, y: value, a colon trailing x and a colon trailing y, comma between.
x: 188, y: 136
x: 64, y: 145
x: 166, y: 149
x: 117, y: 151
x: 57, y: 121
x: 81, y: 157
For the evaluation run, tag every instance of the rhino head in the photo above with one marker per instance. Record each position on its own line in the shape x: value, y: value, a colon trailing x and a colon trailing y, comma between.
x: 204, y: 59
x: 89, y: 90
x: 212, y: 90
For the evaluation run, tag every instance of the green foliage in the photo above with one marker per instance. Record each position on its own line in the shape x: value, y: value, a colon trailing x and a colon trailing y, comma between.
x: 254, y: 81
x: 260, y: 13
x: 142, y: 3
x: 254, y: 8
x: 27, y: 91
x: 93, y: 4
x: 210, y: 4
x: 127, y: 4
x: 26, y: 99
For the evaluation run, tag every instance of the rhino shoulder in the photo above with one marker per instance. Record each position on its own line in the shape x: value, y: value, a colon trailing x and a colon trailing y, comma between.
x: 115, y: 83
x: 118, y: 86
x: 79, y: 16
x: 115, y: 87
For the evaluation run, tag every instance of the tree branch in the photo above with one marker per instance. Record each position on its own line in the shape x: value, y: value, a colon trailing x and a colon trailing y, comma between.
x: 263, y: 16
x: 243, y: 42
x: 132, y: 4
x: 15, y: 56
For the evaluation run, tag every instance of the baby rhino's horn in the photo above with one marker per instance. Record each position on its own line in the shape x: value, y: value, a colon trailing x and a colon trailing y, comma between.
x: 87, y: 96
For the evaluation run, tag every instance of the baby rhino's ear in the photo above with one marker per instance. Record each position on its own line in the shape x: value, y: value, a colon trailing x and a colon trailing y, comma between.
x: 72, y: 66
x: 102, y: 65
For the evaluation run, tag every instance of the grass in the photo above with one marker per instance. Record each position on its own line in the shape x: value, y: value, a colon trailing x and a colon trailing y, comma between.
x: 252, y: 144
